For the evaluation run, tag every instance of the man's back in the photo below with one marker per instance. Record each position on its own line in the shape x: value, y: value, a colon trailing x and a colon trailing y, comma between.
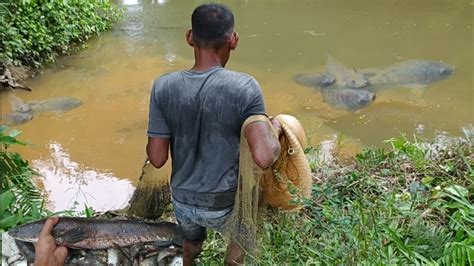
x: 202, y: 112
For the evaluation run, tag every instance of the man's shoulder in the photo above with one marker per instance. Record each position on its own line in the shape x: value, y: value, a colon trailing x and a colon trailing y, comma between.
x: 238, y: 75
x: 166, y: 77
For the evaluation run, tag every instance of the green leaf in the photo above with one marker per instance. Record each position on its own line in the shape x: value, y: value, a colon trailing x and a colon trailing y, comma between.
x: 9, y: 221
x: 8, y: 140
x: 457, y: 190
x: 14, y: 133
x: 6, y: 198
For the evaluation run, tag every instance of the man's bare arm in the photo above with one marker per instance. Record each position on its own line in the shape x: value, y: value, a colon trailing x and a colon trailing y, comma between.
x: 157, y: 151
x: 263, y: 145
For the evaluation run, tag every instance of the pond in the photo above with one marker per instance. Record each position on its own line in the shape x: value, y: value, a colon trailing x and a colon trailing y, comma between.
x: 94, y: 154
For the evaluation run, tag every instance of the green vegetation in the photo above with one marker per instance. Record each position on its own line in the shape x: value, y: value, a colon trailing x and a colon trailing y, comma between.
x: 20, y: 200
x: 35, y: 32
x: 410, y: 205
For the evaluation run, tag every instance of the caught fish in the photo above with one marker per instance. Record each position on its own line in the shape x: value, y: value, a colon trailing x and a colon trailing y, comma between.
x: 84, y: 233
x: 344, y: 76
x: 409, y: 74
x: 348, y: 99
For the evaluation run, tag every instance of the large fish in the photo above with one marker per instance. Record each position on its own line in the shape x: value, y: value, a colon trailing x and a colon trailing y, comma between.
x: 345, y: 76
x: 348, y: 99
x: 407, y: 74
x: 315, y: 80
x: 23, y: 112
x: 84, y: 233
x: 337, y: 74
x: 16, y: 118
x: 57, y: 104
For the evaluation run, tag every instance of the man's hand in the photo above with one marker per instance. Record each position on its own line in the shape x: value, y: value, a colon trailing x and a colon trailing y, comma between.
x: 46, y: 251
x: 276, y: 124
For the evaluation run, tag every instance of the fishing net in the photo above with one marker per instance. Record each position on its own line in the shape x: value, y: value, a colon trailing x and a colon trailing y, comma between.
x: 292, y: 167
x: 152, y: 194
x: 241, y: 226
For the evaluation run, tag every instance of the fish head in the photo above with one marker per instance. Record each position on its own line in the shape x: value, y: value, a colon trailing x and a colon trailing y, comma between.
x: 28, y: 232
x: 438, y: 71
x: 446, y: 70
x: 17, y: 118
x: 365, y: 98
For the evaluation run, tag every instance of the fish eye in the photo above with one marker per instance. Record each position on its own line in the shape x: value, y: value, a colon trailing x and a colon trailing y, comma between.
x: 445, y: 71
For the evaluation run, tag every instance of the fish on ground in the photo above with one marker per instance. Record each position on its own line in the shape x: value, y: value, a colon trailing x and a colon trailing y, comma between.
x: 84, y: 233
x: 414, y: 74
x: 348, y: 99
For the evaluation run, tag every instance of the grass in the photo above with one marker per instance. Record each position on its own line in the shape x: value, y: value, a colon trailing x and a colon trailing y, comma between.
x: 411, y: 204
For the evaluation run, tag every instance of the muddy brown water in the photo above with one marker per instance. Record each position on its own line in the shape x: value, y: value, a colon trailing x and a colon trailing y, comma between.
x: 94, y: 154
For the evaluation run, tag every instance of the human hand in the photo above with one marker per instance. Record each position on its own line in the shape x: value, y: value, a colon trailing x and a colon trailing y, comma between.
x: 46, y: 251
x: 276, y: 124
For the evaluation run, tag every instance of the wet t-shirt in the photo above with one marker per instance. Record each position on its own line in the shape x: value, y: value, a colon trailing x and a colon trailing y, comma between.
x: 201, y: 112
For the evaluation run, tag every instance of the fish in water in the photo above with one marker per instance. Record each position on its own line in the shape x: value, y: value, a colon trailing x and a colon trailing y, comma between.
x: 344, y: 76
x: 409, y: 74
x: 23, y: 112
x: 337, y: 74
x: 16, y: 118
x: 85, y: 233
x: 348, y: 99
x: 314, y: 80
x: 57, y: 104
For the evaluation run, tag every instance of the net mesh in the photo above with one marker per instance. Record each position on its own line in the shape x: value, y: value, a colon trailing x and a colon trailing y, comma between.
x: 289, y: 177
x: 152, y: 194
x: 241, y: 226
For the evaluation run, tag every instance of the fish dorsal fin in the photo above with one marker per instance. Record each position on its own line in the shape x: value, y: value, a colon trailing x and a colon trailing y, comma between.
x: 336, y: 69
x: 18, y: 105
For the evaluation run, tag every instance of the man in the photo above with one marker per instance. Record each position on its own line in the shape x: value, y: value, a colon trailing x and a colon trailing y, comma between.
x: 198, y: 114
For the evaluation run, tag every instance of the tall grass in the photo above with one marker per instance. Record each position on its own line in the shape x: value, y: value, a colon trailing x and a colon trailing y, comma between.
x: 412, y: 204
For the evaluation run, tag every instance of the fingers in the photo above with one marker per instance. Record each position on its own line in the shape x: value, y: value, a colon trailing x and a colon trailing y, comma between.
x: 48, y: 226
x: 61, y: 253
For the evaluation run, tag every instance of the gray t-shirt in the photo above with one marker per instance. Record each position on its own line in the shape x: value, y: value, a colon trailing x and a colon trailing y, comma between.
x: 201, y: 112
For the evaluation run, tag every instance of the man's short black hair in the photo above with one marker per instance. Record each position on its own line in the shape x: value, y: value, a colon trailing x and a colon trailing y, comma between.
x: 212, y: 25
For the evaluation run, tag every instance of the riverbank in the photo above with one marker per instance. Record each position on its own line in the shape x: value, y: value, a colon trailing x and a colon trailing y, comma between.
x: 411, y: 204
x: 35, y: 33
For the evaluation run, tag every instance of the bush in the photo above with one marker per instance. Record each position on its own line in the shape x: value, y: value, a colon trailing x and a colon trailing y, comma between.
x: 35, y: 32
x: 20, y: 200
x: 410, y: 205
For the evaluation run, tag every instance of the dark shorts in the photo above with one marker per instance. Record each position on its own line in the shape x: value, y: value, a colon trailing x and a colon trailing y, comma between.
x: 194, y: 221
